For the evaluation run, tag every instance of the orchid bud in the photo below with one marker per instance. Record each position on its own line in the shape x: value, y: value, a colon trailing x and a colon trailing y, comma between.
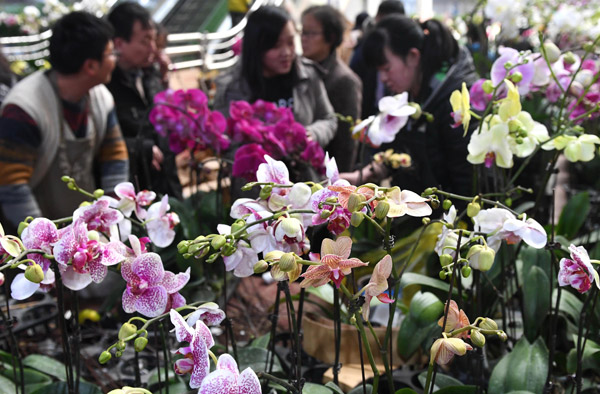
x: 477, y: 338
x: 356, y: 219
x: 98, y: 193
x: 104, y: 357
x: 429, y: 191
x: 183, y: 246
x: 291, y: 226
x: 382, y: 209
x: 193, y: 248
x: 260, y: 267
x: 519, y: 140
x: 446, y: 260
x: 140, y: 343
x: 34, y: 273
x: 355, y: 201
x: 488, y: 324
x: 487, y: 86
x: 265, y: 192
x: 118, y: 353
x: 218, y: 242
x: 447, y: 204
x: 211, y: 259
x: 429, y: 117
x: 228, y: 250
x: 508, y: 65
x: 248, y: 186
x: 93, y: 235
x: 22, y: 227
x: 287, y: 262
x: 315, y: 188
x: 121, y: 345
x: 237, y: 226
x: 508, y: 202
x: 502, y: 335
x: 552, y: 52
x: 1, y: 278
x: 481, y: 257
x: 443, y: 275
x: 435, y: 203
x: 127, y: 330
x: 465, y: 271
x: 85, y: 204
x: 588, y: 46
x: 516, y: 77
x: 569, y: 58
x: 66, y: 179
x: 426, y: 221
x: 514, y: 125
x: 473, y: 209
x: 585, y: 77
x: 418, y: 113
x: 576, y: 88
x: 71, y: 186
x: 325, y: 214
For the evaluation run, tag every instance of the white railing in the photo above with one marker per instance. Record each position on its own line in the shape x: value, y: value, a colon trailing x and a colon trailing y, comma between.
x: 209, y: 51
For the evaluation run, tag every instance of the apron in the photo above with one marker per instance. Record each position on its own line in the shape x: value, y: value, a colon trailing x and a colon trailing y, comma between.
x: 75, y: 158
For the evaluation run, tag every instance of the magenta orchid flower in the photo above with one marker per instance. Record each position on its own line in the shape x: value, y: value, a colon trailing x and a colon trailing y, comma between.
x: 98, y: 216
x: 40, y: 234
x: 196, y: 359
x: 160, y: 223
x: 247, y: 160
x: 82, y: 258
x: 378, y: 284
x: 227, y: 379
x: 339, y: 219
x: 578, y: 271
x: 335, y: 263
x: 131, y: 201
x: 149, y: 285
x: 479, y: 98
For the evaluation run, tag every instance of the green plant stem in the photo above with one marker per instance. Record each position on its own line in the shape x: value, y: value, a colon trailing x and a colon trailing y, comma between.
x: 274, y: 318
x: 337, y: 334
x: 428, y: 381
x: 297, y: 342
x: 469, y: 199
x: 163, y: 339
x: 15, y: 260
x: 14, y: 350
x: 63, y: 327
x: 289, y: 387
x: 359, y: 324
x: 582, y: 318
x: 76, y: 339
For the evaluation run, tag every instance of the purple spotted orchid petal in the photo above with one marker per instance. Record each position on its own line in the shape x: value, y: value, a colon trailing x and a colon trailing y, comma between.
x: 184, y: 366
x: 175, y: 282
x: 175, y: 301
x: 152, y: 302
x: 40, y: 234
x: 149, y: 267
x: 228, y: 363
x: 220, y: 382
x: 183, y: 332
x: 111, y: 254
x: 248, y: 382
x: 126, y: 271
x: 201, y: 360
x: 98, y: 270
x: 66, y: 246
x: 201, y: 329
x: 99, y: 216
x: 209, y: 313
x: 273, y: 171
x: 128, y: 301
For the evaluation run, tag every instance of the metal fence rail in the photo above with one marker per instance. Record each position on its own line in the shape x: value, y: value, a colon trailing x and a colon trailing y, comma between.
x: 209, y: 51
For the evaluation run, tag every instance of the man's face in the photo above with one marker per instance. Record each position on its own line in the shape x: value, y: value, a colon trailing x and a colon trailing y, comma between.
x: 139, y: 50
x: 107, y: 65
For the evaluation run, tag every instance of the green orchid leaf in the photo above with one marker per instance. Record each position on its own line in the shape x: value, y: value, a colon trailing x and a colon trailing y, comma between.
x: 573, y: 216
x: 536, y: 294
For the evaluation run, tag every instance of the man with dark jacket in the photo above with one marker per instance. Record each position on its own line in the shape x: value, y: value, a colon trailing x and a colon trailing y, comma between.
x: 133, y: 86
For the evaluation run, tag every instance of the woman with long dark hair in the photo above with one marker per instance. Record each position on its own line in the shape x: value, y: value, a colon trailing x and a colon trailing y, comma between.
x: 271, y: 71
x: 424, y: 60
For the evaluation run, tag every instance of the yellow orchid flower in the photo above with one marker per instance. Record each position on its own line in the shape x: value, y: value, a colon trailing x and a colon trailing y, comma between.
x: 461, y: 107
x: 511, y: 105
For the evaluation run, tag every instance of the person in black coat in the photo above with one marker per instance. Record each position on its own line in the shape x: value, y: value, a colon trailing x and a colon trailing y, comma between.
x: 134, y: 85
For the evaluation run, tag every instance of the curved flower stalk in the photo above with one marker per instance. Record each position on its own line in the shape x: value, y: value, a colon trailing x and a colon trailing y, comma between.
x: 335, y: 264
x: 226, y: 379
x: 578, y: 271
x: 394, y: 112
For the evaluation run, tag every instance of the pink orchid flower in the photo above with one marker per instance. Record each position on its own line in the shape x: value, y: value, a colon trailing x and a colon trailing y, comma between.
x: 335, y: 263
x: 131, y: 201
x: 247, y: 160
x: 378, y: 284
x: 479, y: 98
x: 444, y: 349
x: 40, y: 234
x: 406, y: 202
x: 456, y: 319
x: 196, y: 358
x: 338, y: 221
x: 578, y: 271
x: 160, y: 224
x: 149, y: 286
x: 82, y: 258
x: 98, y: 216
x: 227, y: 379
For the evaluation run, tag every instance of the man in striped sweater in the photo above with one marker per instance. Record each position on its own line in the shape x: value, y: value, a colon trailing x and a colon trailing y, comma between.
x: 62, y: 122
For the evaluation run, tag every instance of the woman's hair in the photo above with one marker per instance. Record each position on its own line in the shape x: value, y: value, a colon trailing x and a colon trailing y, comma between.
x: 332, y: 22
x: 261, y: 34
x: 400, y: 34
